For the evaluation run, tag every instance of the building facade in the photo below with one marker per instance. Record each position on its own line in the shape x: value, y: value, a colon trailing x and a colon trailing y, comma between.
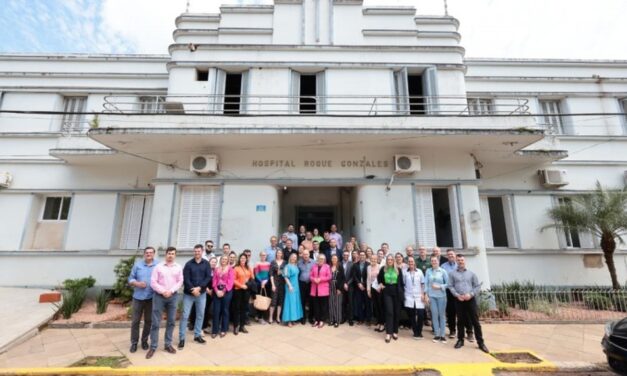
x: 306, y: 112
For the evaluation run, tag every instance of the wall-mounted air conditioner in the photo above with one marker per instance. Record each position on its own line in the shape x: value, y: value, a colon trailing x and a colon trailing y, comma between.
x: 406, y: 164
x: 552, y: 178
x: 204, y: 164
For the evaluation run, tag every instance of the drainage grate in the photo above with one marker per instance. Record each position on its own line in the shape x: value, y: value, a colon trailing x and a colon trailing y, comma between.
x: 516, y: 357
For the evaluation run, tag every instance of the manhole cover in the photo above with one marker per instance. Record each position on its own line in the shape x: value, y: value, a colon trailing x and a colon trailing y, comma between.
x: 516, y: 357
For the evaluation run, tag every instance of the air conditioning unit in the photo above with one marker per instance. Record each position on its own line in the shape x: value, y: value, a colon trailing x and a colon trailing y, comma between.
x: 625, y: 178
x: 5, y: 179
x: 406, y: 164
x: 552, y: 178
x: 204, y: 164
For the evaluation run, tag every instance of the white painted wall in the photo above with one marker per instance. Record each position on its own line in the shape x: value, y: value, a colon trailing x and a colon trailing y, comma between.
x: 14, y: 211
x: 91, y: 222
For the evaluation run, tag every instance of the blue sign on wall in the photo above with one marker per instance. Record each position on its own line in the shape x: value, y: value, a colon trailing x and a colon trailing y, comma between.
x: 261, y: 208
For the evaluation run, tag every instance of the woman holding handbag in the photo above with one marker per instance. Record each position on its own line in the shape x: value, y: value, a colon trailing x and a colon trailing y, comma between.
x: 222, y: 281
x: 262, y: 276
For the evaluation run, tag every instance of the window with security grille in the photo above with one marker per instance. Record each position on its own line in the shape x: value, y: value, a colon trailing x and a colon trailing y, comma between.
x: 151, y: 104
x: 551, y: 110
x: 73, y: 120
x: 136, y: 221
x: 480, y: 106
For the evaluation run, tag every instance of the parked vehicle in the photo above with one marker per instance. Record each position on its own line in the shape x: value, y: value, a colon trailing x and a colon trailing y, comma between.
x: 615, y: 345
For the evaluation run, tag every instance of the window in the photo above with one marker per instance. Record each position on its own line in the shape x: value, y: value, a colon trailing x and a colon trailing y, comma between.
x: 199, y: 215
x: 307, y: 93
x: 202, y: 75
x: 499, y: 224
x: 571, y: 236
x: 437, y: 219
x: 480, y: 106
x: 232, y: 93
x: 623, y: 103
x: 56, y: 208
x: 416, y: 93
x: 152, y: 104
x: 551, y: 110
x: 136, y: 222
x: 73, y: 121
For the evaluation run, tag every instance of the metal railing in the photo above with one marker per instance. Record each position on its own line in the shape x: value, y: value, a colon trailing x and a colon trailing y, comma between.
x: 350, y: 105
x: 554, y: 304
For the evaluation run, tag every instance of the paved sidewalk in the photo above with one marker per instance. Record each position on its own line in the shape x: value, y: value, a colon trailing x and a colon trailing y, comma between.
x: 305, y: 346
x: 21, y: 315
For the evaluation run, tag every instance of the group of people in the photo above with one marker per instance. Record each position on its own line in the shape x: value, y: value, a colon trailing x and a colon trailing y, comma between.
x: 305, y: 277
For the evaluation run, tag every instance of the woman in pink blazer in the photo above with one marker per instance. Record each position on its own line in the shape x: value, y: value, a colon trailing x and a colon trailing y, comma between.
x: 320, y: 277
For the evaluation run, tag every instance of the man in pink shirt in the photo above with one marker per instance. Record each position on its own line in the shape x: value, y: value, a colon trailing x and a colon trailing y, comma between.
x: 166, y: 280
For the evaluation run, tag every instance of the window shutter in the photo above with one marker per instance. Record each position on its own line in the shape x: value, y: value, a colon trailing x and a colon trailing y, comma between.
x: 401, y: 89
x: 561, y: 237
x: 218, y: 91
x: 510, y: 222
x: 72, y: 119
x: 486, y: 223
x: 321, y: 91
x: 131, y: 224
x: 199, y: 215
x: 586, y: 239
x: 425, y: 218
x: 430, y: 89
x: 294, y: 92
x: 455, y: 225
x: 243, y: 104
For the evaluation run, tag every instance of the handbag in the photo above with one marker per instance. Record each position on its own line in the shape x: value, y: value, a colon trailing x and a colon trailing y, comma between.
x: 262, y: 302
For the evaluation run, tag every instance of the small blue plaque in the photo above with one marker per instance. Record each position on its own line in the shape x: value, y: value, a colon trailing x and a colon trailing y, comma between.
x: 261, y: 208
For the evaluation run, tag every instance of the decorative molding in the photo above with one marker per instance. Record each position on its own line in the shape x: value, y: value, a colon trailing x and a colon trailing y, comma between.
x: 390, y: 32
x: 299, y: 47
x: 348, y: 2
x: 389, y: 11
x: 247, y: 9
x: 245, y: 30
x: 436, y: 20
x: 312, y: 64
x: 30, y: 134
x: 194, y: 32
x: 440, y: 34
x: 198, y: 17
x: 112, y: 75
x: 288, y: 2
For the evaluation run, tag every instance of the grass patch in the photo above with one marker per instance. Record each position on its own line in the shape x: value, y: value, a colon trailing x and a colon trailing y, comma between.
x: 103, y: 361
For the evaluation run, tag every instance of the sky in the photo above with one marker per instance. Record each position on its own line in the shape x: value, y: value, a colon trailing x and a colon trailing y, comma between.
x: 575, y: 29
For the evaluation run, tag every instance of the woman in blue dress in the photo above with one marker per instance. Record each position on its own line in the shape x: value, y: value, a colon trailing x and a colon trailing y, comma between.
x: 292, y: 309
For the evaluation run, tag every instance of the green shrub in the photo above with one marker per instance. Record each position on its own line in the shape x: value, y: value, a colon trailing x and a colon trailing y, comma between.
x: 102, y: 302
x: 75, y: 284
x: 503, y: 309
x: 542, y: 306
x: 122, y: 270
x: 72, y: 301
x: 598, y: 301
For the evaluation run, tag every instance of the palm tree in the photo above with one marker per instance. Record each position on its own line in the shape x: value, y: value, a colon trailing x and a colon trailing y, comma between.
x: 603, y: 213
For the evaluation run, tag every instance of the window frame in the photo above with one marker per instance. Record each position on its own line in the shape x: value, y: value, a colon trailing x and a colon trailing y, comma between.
x: 156, y: 105
x: 566, y: 233
x: 622, y: 103
x: 478, y: 104
x: 63, y: 200
x: 75, y: 119
x: 555, y: 126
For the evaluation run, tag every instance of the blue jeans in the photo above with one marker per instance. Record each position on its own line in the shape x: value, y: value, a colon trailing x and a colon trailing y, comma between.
x: 199, y: 302
x: 438, y: 315
x: 221, y: 313
x: 160, y: 304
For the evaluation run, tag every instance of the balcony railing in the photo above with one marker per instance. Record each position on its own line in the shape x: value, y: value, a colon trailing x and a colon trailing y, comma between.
x: 336, y: 105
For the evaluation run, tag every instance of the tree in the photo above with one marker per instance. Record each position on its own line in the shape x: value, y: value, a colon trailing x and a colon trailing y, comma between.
x: 603, y: 213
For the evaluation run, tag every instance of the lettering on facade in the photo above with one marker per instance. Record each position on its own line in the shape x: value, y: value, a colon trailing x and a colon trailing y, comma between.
x: 322, y: 163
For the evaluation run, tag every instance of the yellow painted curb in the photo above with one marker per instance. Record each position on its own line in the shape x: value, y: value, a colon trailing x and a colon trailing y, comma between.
x: 445, y: 369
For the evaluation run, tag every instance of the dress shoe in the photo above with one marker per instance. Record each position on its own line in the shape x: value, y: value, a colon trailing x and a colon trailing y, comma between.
x: 133, y: 348
x: 235, y: 330
x: 150, y: 353
x: 170, y: 349
x: 459, y: 344
x: 387, y: 339
x: 483, y: 348
x: 214, y: 335
x: 145, y: 345
x: 243, y: 330
x: 470, y: 337
x: 350, y: 323
x: 181, y: 345
x: 336, y: 325
x: 199, y: 340
x: 222, y: 335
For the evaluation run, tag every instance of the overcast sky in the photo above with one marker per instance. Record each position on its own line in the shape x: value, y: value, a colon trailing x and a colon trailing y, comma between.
x: 578, y: 29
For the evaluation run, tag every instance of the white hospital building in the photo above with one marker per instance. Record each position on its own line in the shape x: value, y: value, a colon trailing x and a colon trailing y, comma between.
x: 307, y: 112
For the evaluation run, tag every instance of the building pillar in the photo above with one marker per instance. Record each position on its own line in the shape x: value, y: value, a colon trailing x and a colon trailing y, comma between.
x: 472, y: 232
x: 162, y: 216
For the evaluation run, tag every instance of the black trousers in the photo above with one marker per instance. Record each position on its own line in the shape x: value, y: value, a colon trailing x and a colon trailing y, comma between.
x: 305, y: 300
x: 141, y: 308
x: 347, y: 304
x: 240, y: 307
x: 320, y: 308
x: 206, y: 319
x: 360, y: 305
x: 392, y: 306
x: 377, y: 306
x: 468, y: 316
x: 451, y: 314
x: 416, y: 320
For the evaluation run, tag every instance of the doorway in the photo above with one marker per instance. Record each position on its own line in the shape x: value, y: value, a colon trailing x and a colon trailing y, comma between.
x: 320, y: 217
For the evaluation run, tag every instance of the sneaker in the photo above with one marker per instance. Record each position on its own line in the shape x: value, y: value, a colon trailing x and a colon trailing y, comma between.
x: 442, y: 339
x: 418, y: 337
x: 452, y: 335
x: 181, y: 345
x: 435, y: 339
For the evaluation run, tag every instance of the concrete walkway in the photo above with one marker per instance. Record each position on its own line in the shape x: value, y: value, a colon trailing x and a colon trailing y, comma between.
x: 21, y: 315
x: 576, y: 344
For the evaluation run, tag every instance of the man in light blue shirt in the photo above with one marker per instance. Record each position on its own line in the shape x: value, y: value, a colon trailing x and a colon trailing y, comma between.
x: 451, y: 313
x: 337, y: 236
x: 139, y: 279
x: 291, y: 235
x: 272, y: 248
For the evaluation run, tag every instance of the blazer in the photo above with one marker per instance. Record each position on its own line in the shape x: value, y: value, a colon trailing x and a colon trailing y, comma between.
x: 322, y: 288
x: 358, y: 276
x: 341, y: 279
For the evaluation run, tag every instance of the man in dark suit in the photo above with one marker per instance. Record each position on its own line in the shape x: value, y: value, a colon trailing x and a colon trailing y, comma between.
x: 359, y: 276
x: 347, y: 299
